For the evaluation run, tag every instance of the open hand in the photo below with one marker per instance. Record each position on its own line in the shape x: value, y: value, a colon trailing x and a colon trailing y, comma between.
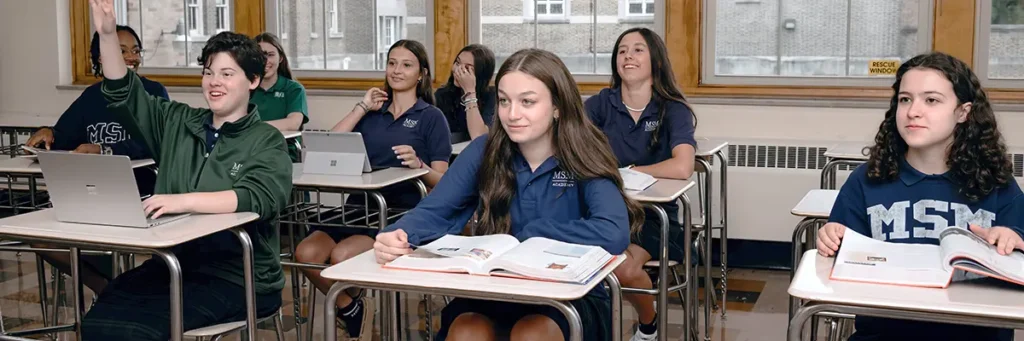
x: 1005, y: 239
x: 159, y: 205
x: 103, y: 17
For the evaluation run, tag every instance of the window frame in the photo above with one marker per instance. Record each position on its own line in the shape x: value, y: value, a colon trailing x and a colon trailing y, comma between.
x: 708, y: 39
x: 530, y: 14
x: 982, y: 44
x: 222, y: 13
x: 199, y: 30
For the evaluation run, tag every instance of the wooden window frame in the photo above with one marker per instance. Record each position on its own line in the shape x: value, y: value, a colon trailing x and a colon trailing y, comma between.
x: 953, y: 33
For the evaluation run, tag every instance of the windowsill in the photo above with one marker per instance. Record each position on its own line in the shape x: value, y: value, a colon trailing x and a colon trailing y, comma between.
x: 636, y: 19
x: 336, y: 35
x: 191, y: 38
x: 547, y: 20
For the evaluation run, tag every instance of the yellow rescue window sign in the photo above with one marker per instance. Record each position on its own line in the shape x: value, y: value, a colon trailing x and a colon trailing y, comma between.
x: 882, y: 67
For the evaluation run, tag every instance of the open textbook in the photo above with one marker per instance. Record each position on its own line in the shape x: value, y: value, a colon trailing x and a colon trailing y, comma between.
x: 503, y: 255
x: 864, y: 259
x: 32, y: 152
x: 636, y: 181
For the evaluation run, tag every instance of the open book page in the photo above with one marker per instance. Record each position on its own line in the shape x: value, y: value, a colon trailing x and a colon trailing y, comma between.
x: 864, y: 259
x: 548, y: 259
x: 453, y: 253
x: 636, y: 181
x: 965, y: 250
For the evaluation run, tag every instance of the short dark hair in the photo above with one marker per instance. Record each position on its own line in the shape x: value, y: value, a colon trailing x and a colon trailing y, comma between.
x: 245, y: 51
x: 94, y: 48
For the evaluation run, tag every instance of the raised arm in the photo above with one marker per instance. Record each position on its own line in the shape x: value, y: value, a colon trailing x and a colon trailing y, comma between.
x: 105, y: 21
x: 606, y: 226
x: 372, y: 100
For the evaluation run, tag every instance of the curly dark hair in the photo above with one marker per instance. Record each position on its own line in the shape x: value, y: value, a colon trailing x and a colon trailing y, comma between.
x: 244, y: 50
x: 977, y: 159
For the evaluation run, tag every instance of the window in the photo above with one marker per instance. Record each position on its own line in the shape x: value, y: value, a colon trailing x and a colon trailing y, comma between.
x: 223, y: 20
x: 812, y: 42
x: 553, y: 11
x: 356, y: 36
x: 194, y: 18
x: 1000, y: 38
x: 583, y: 40
x: 640, y: 7
x: 121, y: 9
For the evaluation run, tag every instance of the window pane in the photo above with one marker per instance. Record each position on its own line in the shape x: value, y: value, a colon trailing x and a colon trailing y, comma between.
x: 635, y: 8
x: 354, y: 39
x: 806, y: 38
x: 556, y: 8
x: 170, y: 38
x: 1006, y: 40
x: 584, y: 46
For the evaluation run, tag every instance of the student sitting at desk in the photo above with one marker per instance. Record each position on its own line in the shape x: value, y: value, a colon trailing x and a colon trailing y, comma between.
x: 217, y: 160
x: 938, y: 160
x: 400, y: 128
x: 467, y: 100
x: 280, y: 100
x: 87, y: 126
x: 545, y: 171
x: 650, y: 128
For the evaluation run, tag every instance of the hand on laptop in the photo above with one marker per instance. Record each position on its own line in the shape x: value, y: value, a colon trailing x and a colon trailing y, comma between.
x: 88, y: 148
x: 42, y: 136
x: 159, y: 205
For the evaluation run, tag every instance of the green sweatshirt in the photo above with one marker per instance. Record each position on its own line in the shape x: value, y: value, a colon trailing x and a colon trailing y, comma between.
x: 249, y: 158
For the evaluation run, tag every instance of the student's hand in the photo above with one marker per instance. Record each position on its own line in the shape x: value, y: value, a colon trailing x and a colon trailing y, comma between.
x: 465, y: 79
x: 88, y: 148
x: 42, y: 136
x: 103, y: 17
x: 408, y: 156
x: 829, y: 238
x: 391, y: 245
x: 162, y: 204
x: 1005, y: 239
x: 374, y: 98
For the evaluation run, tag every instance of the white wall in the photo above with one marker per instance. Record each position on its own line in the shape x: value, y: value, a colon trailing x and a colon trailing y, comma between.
x: 35, y: 58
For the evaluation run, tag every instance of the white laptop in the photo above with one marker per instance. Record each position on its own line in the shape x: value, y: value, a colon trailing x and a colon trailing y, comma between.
x: 96, y: 189
x: 334, y: 153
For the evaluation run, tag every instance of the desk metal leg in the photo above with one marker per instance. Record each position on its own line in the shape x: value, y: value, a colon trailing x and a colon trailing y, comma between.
x: 250, y: 292
x: 662, y: 269
x: 724, y: 237
x: 615, y: 290
x: 389, y: 317
x: 689, y: 310
x: 573, y: 316
x: 330, y: 330
x: 76, y: 293
x: 709, y: 286
x: 799, y: 232
x: 177, y: 329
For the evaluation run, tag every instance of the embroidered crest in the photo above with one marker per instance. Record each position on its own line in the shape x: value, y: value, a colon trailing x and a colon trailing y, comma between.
x: 562, y: 179
x: 235, y: 169
x: 410, y: 123
x: 651, y: 125
x: 278, y: 94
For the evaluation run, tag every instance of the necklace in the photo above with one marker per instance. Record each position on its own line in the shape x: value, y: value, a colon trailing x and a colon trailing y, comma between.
x: 633, y: 109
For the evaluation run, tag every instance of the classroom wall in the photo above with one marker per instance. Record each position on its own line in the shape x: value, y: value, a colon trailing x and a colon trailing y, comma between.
x: 34, y: 60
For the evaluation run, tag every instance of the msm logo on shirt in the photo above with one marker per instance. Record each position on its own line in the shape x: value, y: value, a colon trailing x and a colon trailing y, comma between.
x: 410, y: 123
x: 650, y: 126
x: 924, y: 213
x: 106, y: 133
x: 278, y: 94
x: 562, y: 179
x: 235, y: 169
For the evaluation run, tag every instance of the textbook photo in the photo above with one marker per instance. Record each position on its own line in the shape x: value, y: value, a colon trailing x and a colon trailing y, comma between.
x: 503, y: 255
x: 960, y: 255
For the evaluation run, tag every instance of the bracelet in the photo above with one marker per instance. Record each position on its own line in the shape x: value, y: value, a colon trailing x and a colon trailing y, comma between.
x: 361, y: 105
x: 421, y: 162
x: 471, y: 106
x: 467, y: 95
x: 469, y: 101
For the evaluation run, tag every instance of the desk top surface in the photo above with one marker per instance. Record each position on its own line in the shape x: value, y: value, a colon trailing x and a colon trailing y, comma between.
x: 363, y: 270
x: 847, y: 151
x: 816, y: 203
x: 811, y: 282
x: 43, y: 224
x: 367, y: 181
x: 29, y: 164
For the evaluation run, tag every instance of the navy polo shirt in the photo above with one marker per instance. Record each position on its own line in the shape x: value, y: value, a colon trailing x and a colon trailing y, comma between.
x: 423, y: 127
x: 915, y: 208
x: 549, y: 202
x: 212, y: 134
x: 630, y: 141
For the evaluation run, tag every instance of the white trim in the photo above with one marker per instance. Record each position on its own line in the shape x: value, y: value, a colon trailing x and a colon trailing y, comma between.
x: 121, y: 9
x: 199, y: 19
x: 624, y: 9
x: 982, y: 53
x: 572, y: 19
x: 708, y: 56
x: 415, y: 20
x: 335, y: 28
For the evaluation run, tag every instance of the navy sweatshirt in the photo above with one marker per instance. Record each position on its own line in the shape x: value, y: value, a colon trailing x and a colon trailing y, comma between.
x: 88, y: 120
x: 914, y: 209
x: 546, y: 203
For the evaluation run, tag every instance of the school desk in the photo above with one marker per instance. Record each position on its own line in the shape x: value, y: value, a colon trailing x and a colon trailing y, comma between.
x: 666, y: 191
x: 847, y: 153
x: 814, y: 208
x: 707, y: 150
x: 12, y: 125
x: 317, y: 213
x: 363, y: 271
x: 976, y: 304
x: 42, y: 227
x: 459, y: 147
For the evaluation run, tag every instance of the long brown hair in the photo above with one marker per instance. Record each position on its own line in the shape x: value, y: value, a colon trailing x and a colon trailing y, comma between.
x: 424, y: 90
x: 580, y: 148
x: 663, y: 82
x: 283, y: 68
x: 978, y: 160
